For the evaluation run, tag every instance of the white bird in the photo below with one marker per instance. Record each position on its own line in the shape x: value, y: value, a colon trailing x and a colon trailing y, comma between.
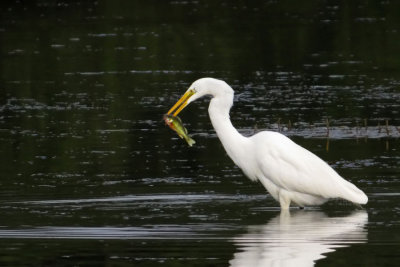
x: 289, y: 172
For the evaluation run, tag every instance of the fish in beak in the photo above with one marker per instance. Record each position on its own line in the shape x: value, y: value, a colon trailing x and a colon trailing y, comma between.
x: 175, y: 123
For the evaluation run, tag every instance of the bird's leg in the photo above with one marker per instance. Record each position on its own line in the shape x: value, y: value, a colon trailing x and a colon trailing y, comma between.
x: 284, y: 201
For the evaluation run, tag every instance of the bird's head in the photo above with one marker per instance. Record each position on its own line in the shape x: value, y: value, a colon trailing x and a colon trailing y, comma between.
x: 198, y: 89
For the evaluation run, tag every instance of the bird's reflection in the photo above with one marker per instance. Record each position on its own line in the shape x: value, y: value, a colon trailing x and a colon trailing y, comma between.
x: 298, y: 239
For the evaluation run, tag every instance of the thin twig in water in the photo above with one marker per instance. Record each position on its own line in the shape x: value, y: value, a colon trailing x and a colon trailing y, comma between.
x: 387, y: 128
x: 327, y: 127
x: 279, y: 124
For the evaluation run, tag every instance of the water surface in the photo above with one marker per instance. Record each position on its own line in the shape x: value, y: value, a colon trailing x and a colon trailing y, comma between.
x: 90, y: 176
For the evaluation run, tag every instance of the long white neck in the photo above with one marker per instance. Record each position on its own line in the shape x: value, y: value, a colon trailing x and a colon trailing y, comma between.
x: 230, y: 138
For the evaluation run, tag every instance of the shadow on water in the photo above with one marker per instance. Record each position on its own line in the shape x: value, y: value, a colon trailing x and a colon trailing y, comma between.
x: 298, y: 239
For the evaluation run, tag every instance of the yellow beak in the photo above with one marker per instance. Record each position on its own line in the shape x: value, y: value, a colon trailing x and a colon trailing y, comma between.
x: 182, y: 102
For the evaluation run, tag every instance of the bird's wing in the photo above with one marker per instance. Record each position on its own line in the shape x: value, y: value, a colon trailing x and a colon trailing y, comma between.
x: 292, y: 167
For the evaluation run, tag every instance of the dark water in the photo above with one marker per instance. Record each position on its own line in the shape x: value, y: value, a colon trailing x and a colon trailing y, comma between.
x: 90, y: 176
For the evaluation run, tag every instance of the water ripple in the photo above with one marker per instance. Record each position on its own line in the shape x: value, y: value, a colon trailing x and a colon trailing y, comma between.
x: 192, y: 231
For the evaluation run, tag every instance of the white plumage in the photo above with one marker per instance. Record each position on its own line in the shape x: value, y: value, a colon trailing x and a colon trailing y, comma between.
x: 289, y: 172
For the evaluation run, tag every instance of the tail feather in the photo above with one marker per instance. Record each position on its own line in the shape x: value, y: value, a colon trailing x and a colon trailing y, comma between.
x: 353, y: 194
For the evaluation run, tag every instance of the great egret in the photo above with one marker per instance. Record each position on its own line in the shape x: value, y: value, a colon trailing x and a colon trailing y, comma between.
x: 289, y: 172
